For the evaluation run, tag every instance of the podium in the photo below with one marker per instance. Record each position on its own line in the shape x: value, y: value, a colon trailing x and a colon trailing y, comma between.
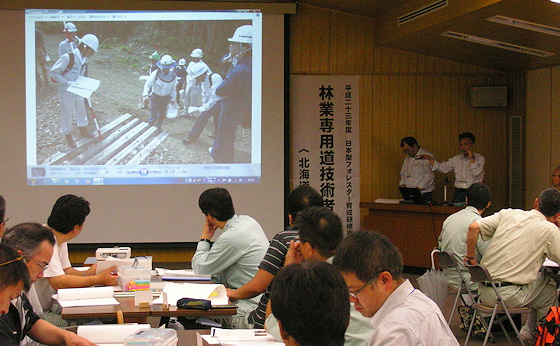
x: 413, y: 228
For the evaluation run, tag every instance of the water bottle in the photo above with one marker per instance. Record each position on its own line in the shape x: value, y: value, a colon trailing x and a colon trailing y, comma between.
x: 175, y: 324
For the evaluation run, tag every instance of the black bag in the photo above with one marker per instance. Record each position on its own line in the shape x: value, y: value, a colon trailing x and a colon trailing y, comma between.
x: 197, y: 304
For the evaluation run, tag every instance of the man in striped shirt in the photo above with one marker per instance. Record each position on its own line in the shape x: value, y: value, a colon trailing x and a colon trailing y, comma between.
x: 299, y: 199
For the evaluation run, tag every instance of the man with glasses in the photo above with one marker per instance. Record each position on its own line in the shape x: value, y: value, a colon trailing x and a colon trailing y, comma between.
x: 417, y: 171
x: 400, y: 314
x: 34, y: 243
x: 555, y: 182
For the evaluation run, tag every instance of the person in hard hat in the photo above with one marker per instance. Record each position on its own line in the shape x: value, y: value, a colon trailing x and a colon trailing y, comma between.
x: 154, y: 58
x: 65, y: 72
x: 236, y: 93
x: 192, y: 90
x: 181, y: 71
x: 211, y: 106
x: 71, y: 41
x: 161, y: 89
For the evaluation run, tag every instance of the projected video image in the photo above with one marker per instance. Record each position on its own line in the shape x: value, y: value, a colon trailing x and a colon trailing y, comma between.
x: 143, y: 97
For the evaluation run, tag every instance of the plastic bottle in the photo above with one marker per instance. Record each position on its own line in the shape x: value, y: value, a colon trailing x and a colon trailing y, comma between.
x: 175, y: 324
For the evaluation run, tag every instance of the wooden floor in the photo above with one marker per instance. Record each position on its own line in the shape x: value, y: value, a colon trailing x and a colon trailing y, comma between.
x: 500, y: 338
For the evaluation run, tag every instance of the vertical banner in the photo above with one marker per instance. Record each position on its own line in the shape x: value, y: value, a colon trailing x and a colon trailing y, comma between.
x: 326, y: 141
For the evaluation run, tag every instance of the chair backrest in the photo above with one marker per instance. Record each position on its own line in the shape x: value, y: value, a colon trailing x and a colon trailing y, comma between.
x: 479, y: 273
x: 445, y: 260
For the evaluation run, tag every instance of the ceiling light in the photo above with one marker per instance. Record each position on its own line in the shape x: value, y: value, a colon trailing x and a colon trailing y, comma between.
x: 518, y: 23
x: 555, y: 1
x: 497, y: 44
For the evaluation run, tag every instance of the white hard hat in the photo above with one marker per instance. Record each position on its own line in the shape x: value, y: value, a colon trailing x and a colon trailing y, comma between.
x: 198, y: 69
x: 70, y: 27
x: 243, y: 34
x: 182, y: 62
x: 166, y: 62
x: 91, y: 41
x: 197, y: 53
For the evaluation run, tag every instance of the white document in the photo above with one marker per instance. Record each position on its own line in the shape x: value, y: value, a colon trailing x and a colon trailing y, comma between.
x: 172, y: 110
x: 224, y: 337
x: 216, y: 293
x: 109, y: 334
x: 550, y: 263
x: 84, y: 86
x: 109, y: 262
x: 181, y: 274
x: 87, y: 296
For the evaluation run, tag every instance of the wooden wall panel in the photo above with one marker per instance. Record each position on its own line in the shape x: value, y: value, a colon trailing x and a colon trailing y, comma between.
x: 403, y: 94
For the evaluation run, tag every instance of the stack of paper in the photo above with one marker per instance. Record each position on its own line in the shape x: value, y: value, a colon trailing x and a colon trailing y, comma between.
x: 183, y: 275
x: 216, y: 293
x: 145, y: 262
x: 224, y: 337
x: 87, y: 296
x: 109, y: 334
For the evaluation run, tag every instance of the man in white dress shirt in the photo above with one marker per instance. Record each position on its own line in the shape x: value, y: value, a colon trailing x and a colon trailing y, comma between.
x: 417, y: 171
x: 400, y: 314
x: 468, y: 167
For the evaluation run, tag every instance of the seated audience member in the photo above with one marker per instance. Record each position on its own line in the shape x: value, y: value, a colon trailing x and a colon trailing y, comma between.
x: 521, y: 241
x: 468, y: 166
x: 300, y: 198
x: 34, y: 243
x: 234, y: 257
x: 453, y: 236
x: 400, y: 314
x: 309, y: 300
x: 320, y: 231
x: 2, y: 215
x: 556, y: 178
x: 14, y: 277
x: 67, y: 222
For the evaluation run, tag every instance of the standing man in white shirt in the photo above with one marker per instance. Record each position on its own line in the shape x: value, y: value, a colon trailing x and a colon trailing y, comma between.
x: 234, y: 258
x: 416, y: 171
x: 400, y: 314
x: 468, y: 167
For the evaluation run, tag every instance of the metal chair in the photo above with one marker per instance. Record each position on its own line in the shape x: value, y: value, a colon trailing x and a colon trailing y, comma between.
x: 446, y: 260
x: 480, y: 274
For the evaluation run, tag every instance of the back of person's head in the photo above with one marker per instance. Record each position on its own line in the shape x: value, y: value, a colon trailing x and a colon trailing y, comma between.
x: 478, y: 196
x: 2, y: 209
x: 410, y: 141
x: 302, y: 197
x: 28, y: 237
x: 549, y: 202
x: 68, y: 211
x: 320, y: 227
x: 467, y: 135
x: 217, y: 203
x: 310, y: 300
x: 366, y: 254
x: 12, y: 268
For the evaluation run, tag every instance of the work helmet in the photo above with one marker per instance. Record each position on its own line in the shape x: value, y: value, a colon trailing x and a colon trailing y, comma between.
x: 197, y: 53
x: 70, y: 27
x: 91, y: 41
x: 182, y: 62
x: 198, y: 69
x: 166, y: 62
x: 154, y: 56
x: 243, y: 34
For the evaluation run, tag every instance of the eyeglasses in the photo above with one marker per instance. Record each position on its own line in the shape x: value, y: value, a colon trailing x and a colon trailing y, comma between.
x: 354, y: 294
x: 5, y: 220
x: 43, y: 266
x: 12, y: 261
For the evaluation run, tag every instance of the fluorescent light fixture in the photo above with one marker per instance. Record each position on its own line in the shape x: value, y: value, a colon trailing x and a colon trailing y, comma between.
x: 518, y: 23
x: 497, y: 44
x: 558, y: 1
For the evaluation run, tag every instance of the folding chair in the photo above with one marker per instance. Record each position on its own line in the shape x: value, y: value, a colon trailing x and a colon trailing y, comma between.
x: 480, y: 274
x: 446, y: 260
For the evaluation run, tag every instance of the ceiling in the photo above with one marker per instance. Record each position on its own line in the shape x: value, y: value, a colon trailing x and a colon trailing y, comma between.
x: 423, y: 34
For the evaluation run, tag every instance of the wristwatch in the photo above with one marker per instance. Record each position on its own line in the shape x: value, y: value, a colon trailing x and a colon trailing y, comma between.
x: 204, y: 239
